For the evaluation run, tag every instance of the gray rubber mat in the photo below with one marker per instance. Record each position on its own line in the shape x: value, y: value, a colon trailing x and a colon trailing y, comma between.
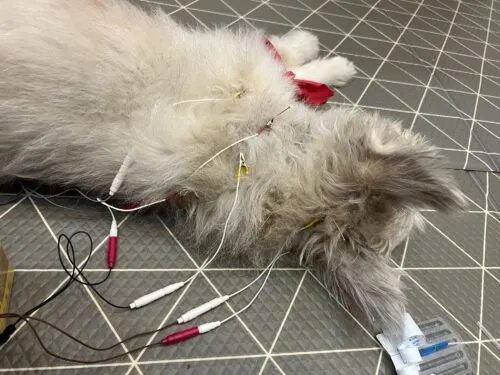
x: 434, y: 64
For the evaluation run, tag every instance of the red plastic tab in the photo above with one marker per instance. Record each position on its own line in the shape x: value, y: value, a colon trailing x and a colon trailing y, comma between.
x: 112, y: 245
x: 179, y: 336
x: 273, y: 50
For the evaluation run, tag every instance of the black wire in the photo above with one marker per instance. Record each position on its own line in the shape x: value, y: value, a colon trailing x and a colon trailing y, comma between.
x: 70, y: 251
x: 74, y: 360
x: 75, y: 272
x: 76, y: 339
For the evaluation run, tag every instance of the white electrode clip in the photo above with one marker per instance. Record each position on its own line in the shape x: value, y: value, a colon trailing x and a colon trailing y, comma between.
x: 207, y: 327
x: 202, y: 309
x: 151, y: 297
x: 120, y: 176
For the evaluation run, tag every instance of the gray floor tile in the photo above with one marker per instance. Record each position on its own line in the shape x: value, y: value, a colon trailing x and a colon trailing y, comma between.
x: 75, y: 313
x: 415, y: 74
x: 455, y: 46
x: 272, y: 28
x: 379, y: 96
x: 359, y: 363
x: 479, y: 162
x: 317, y: 322
x: 491, y: 68
x: 487, y: 109
x: 390, y: 32
x: 484, y: 138
x: 366, y: 67
x: 379, y: 48
x: 448, y: 103
x: 293, y: 15
x: 31, y: 288
x: 445, y: 132
x: 328, y: 39
x: 430, y: 13
x: 271, y: 369
x: 473, y: 185
x: 407, y: 6
x: 266, y: 314
x: 26, y: 240
x: 405, y: 73
x: 185, y: 18
x: 313, y: 5
x: 433, y: 250
x: 382, y: 17
x: 213, y: 19
x: 266, y: 13
x: 418, y: 39
x: 489, y: 360
x: 463, y: 230
x: 429, y: 24
x: 368, y: 31
x: 249, y: 366
x: 290, y: 3
x: 494, y: 193
x: 334, y: 9
x: 462, y: 31
x: 454, y: 80
x: 494, y: 40
x: 493, y: 53
x: 408, y: 94
x: 167, y: 6
x: 492, y: 236
x: 356, y: 9
x: 458, y: 62
x: 491, y: 314
x: 354, y: 90
x: 215, y: 6
x: 242, y: 7
x: 351, y: 46
x: 458, y: 290
x: 468, y: 19
x: 317, y: 22
x: 490, y: 86
x: 422, y: 307
x: 456, y: 159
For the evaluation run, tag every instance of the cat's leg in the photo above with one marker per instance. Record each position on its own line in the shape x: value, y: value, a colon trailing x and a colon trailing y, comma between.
x: 296, y: 47
x: 335, y: 71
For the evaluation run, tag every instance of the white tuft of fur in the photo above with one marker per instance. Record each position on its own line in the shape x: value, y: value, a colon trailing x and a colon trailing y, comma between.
x: 336, y: 71
x: 296, y: 47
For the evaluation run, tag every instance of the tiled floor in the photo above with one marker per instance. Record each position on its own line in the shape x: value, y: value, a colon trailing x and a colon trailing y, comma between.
x: 435, y: 64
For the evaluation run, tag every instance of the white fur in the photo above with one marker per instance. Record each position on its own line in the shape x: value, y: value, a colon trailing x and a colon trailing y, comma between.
x: 296, y: 47
x: 336, y: 71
